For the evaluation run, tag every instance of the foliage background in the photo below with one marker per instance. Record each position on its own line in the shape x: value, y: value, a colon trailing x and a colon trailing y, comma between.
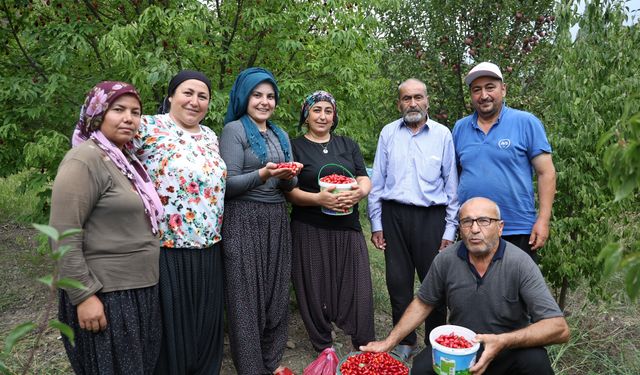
x: 582, y: 84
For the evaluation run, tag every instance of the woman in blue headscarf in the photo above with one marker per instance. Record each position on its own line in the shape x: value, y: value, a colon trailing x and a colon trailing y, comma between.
x: 257, y: 239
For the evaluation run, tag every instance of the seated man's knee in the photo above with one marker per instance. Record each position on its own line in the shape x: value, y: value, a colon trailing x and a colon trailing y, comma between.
x: 533, y: 361
x: 524, y: 361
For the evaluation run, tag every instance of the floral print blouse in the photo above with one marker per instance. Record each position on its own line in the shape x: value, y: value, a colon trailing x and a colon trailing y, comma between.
x: 190, y: 178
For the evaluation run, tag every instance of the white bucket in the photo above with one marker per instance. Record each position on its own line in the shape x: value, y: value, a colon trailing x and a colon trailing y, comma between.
x: 450, y: 360
x: 339, y: 188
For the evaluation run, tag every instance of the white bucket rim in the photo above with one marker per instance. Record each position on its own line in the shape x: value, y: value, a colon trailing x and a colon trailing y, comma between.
x: 346, y: 187
x: 468, y: 334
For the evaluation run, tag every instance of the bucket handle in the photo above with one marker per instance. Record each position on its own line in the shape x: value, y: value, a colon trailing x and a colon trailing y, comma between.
x: 335, y: 165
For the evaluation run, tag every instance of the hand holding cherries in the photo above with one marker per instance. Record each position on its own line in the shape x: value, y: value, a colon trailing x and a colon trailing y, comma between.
x: 292, y: 165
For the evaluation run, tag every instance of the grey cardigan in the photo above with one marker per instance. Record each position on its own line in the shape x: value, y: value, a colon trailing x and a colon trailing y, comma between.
x: 243, y: 180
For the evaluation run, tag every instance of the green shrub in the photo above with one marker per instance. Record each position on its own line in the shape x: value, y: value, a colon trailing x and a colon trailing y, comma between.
x: 19, y: 197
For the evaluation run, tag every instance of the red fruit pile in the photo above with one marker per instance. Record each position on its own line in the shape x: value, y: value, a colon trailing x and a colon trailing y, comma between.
x: 290, y: 165
x: 453, y: 341
x: 338, y: 179
x: 373, y: 364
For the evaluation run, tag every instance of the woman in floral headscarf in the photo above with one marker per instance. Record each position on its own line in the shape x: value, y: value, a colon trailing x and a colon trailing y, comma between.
x: 330, y: 268
x: 182, y: 158
x: 103, y: 190
x: 257, y: 243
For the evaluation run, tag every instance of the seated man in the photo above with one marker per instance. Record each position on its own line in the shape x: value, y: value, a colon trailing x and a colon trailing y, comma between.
x: 493, y: 288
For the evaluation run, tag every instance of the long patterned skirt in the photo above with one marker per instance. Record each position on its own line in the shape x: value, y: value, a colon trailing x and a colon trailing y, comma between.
x: 131, y: 342
x: 257, y: 267
x: 332, y: 280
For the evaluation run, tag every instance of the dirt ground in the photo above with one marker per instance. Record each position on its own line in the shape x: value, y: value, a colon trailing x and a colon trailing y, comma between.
x: 22, y: 299
x: 602, y: 332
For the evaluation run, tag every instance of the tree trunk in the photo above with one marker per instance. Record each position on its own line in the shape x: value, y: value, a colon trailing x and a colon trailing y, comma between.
x: 563, y: 293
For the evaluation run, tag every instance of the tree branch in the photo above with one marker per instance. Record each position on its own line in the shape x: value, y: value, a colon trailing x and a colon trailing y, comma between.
x: 94, y: 11
x: 218, y: 9
x: 226, y: 43
x: 94, y: 46
x: 254, y: 56
x: 34, y: 64
x: 309, y: 29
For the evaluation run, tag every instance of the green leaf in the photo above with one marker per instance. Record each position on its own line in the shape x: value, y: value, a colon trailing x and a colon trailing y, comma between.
x: 64, y: 329
x: 69, y: 233
x: 625, y: 189
x: 611, y: 255
x: 59, y: 253
x: 632, y: 281
x: 604, y: 139
x: 4, y: 369
x: 16, y: 334
x: 47, y: 280
x: 51, y: 232
x: 68, y: 283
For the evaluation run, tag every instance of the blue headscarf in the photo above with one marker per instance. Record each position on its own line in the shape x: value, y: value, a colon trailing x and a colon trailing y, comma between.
x: 247, y: 80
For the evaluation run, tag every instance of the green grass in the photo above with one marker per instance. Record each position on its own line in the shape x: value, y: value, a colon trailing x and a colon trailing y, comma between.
x: 18, y: 202
x: 604, y: 336
x: 376, y: 260
x: 23, y: 299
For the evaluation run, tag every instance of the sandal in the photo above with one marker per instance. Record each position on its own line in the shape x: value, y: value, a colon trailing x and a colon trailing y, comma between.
x: 405, y: 352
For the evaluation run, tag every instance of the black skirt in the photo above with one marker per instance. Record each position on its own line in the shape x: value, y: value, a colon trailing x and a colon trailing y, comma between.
x: 191, y: 294
x: 131, y: 342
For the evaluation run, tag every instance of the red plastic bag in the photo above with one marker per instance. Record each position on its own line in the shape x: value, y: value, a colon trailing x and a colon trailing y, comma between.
x: 325, y: 364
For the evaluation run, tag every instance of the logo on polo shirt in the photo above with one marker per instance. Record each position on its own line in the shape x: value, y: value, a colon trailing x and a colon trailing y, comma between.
x: 504, y: 143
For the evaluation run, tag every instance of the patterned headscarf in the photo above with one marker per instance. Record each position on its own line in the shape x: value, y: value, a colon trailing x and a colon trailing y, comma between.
x: 246, y: 81
x: 318, y: 96
x: 92, y: 113
x: 98, y: 101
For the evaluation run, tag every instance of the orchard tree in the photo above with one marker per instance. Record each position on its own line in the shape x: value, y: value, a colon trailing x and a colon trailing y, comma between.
x: 622, y: 161
x: 587, y: 89
x: 439, y: 41
x: 54, y: 51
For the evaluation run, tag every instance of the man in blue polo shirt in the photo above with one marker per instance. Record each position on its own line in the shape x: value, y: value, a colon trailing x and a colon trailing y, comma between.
x: 413, y: 202
x: 496, y: 149
x: 492, y: 288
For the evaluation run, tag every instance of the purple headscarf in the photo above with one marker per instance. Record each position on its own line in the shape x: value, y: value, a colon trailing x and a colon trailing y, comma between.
x: 318, y: 96
x: 92, y: 113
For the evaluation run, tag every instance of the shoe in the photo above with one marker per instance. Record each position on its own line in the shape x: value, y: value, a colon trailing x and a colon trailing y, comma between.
x: 405, y: 352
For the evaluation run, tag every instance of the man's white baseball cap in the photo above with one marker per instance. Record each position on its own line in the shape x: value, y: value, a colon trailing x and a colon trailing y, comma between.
x: 484, y: 69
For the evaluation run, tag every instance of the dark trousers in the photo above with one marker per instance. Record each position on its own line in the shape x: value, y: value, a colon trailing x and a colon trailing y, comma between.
x: 522, y: 241
x: 524, y: 361
x: 413, y: 235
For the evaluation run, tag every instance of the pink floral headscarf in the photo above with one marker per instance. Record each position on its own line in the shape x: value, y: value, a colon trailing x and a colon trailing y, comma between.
x: 98, y: 101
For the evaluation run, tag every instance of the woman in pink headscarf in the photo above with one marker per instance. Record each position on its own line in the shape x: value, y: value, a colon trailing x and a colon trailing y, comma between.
x: 103, y: 190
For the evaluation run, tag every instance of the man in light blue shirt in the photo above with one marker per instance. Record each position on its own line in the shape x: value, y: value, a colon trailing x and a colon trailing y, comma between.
x: 413, y: 202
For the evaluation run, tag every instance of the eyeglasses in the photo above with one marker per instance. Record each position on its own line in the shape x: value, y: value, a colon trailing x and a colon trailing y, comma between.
x: 482, y: 221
